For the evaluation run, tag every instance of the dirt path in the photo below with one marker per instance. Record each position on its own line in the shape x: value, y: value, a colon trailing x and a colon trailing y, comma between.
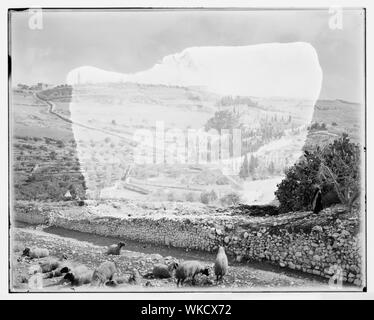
x: 51, y: 107
x: 239, y: 277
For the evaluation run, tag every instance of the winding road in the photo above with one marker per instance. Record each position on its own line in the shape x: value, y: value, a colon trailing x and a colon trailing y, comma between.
x: 51, y: 109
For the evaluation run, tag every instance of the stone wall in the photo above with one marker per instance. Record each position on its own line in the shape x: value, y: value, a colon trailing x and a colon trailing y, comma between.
x: 324, y: 245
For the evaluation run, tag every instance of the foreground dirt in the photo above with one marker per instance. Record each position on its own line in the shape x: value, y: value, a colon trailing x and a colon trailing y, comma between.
x: 239, y: 277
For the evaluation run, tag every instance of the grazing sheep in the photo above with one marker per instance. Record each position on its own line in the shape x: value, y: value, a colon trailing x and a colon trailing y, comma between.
x: 190, y: 269
x: 67, y: 266
x: 53, y: 274
x: 79, y: 275
x: 221, y: 264
x: 115, y: 249
x: 111, y: 283
x: 162, y: 271
x: 103, y: 273
x: 116, y: 280
x: 51, y: 264
x: 35, y: 253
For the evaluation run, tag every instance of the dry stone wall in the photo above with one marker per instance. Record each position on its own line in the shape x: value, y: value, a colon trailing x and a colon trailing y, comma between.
x: 323, y: 245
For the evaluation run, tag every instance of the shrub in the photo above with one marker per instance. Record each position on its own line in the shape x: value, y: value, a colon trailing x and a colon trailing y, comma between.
x: 296, y: 189
x: 213, y: 195
x: 230, y: 199
x: 207, y: 197
x: 204, y: 197
x: 341, y: 168
x: 318, y: 126
x: 335, y: 169
x: 223, y: 180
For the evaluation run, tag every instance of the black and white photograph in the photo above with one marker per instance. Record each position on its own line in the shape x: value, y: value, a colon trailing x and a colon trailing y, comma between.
x: 185, y: 150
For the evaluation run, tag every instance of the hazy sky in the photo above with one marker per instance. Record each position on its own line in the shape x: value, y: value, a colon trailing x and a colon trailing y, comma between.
x: 131, y: 41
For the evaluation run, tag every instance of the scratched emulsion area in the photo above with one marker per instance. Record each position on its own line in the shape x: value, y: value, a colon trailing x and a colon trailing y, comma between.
x: 195, y: 122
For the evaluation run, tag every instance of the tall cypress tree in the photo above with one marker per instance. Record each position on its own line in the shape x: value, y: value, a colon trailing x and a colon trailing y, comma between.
x: 244, y: 171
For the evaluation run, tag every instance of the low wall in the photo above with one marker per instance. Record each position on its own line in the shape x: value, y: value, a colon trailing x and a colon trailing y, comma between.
x: 322, y: 245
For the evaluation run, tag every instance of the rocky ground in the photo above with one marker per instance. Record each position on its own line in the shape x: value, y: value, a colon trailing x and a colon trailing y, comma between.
x: 239, y: 277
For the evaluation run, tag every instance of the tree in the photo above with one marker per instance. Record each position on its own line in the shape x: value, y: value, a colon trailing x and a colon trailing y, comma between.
x: 223, y: 120
x: 271, y: 167
x: 296, y: 189
x: 340, y: 167
x: 207, y: 197
x: 253, y: 164
x: 244, y: 170
x: 213, y: 195
x: 230, y: 199
x: 336, y: 168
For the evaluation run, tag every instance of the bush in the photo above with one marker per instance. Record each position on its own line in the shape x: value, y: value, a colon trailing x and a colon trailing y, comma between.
x: 335, y: 169
x: 223, y: 180
x: 296, y: 189
x: 230, y: 199
x: 204, y: 197
x: 318, y: 126
x: 207, y: 197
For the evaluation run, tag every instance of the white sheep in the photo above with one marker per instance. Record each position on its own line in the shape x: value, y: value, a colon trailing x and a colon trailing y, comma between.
x: 51, y: 263
x: 105, y: 272
x: 221, y: 264
x: 162, y: 271
x: 115, y: 249
x: 190, y: 269
x: 34, y: 253
x: 79, y: 275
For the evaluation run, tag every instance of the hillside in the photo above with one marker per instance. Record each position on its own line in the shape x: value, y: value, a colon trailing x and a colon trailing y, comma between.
x: 97, y: 145
x: 43, y: 152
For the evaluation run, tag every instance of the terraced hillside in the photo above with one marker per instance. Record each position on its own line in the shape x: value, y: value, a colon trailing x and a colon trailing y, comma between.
x: 43, y: 152
x: 94, y: 150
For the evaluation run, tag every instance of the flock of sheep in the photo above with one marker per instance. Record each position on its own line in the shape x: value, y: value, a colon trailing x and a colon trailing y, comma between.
x: 106, y: 274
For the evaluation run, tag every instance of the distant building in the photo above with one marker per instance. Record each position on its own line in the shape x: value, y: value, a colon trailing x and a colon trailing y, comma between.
x: 40, y: 86
x: 43, y: 86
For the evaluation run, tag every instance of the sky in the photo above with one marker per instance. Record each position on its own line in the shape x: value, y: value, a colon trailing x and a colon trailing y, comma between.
x: 132, y: 41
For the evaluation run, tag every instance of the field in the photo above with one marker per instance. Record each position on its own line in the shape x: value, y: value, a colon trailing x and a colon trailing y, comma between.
x: 85, y: 142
